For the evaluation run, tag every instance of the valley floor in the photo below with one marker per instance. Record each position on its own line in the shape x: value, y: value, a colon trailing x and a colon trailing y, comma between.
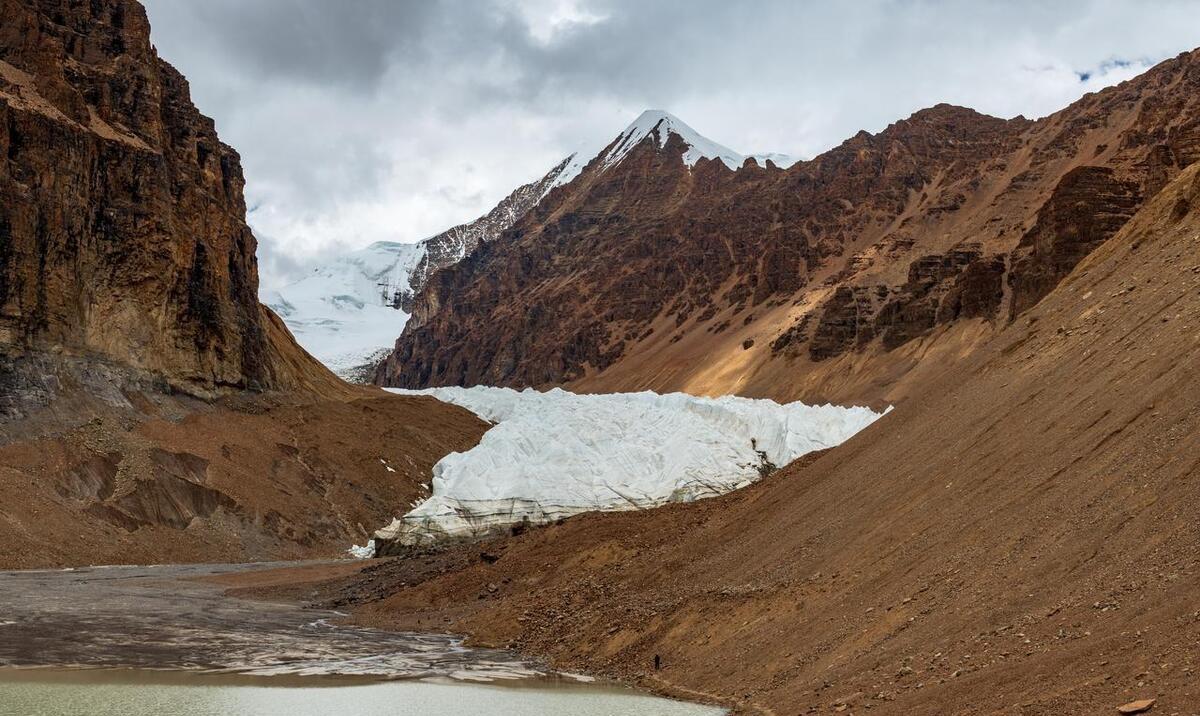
x: 937, y: 618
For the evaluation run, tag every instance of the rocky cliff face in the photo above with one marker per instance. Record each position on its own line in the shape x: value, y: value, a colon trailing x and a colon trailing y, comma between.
x: 450, y: 246
x: 820, y: 281
x: 1086, y: 208
x: 128, y: 290
x: 122, y: 231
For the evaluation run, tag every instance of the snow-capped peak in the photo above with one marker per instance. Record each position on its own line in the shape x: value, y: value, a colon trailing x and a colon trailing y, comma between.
x: 348, y: 312
x: 660, y: 125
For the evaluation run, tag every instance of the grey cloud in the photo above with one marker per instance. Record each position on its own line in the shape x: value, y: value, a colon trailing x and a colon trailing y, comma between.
x: 278, y: 266
x: 380, y: 119
x: 349, y: 43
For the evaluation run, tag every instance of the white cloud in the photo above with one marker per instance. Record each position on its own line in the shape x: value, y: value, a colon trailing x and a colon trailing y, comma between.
x: 547, y: 21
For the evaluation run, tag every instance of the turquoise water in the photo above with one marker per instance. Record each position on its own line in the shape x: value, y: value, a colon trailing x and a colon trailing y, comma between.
x: 92, y: 693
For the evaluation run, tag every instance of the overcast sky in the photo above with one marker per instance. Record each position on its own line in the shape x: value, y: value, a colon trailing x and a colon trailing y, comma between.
x: 368, y: 120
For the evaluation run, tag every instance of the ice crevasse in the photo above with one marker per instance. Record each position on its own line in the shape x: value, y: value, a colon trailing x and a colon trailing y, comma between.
x: 554, y: 454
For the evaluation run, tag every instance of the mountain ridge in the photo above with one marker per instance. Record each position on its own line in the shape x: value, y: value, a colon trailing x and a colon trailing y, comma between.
x: 348, y: 311
x: 824, y: 281
x: 333, y: 312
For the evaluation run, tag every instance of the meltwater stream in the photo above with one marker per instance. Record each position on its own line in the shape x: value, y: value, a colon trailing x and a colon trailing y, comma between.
x: 136, y: 640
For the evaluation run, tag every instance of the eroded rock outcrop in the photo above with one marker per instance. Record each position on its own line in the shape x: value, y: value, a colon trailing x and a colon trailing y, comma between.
x: 1088, y: 206
x: 122, y: 220
x: 941, y: 289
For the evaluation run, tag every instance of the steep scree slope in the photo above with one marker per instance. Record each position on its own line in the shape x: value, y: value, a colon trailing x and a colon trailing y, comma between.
x: 1037, y: 558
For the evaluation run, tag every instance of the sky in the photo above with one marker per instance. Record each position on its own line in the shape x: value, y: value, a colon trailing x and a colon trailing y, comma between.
x: 392, y: 120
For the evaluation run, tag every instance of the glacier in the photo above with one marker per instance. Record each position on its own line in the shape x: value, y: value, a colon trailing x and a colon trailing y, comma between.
x: 365, y: 551
x: 345, y: 313
x: 554, y: 454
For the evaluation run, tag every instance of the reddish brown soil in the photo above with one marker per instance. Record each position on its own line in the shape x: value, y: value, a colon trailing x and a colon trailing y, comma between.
x: 1020, y: 537
x: 297, y: 584
x: 256, y: 478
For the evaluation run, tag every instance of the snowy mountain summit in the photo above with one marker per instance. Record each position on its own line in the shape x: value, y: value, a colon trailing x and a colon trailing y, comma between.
x: 348, y: 313
x: 658, y: 125
x: 661, y: 125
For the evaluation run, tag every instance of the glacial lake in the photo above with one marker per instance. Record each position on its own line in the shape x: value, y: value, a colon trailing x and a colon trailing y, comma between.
x: 156, y: 640
x: 132, y: 693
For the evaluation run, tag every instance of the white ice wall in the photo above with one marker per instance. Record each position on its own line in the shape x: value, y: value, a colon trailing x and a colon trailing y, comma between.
x: 556, y: 454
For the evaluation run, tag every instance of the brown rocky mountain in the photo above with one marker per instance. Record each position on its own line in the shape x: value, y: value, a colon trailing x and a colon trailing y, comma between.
x: 1018, y: 537
x: 122, y: 220
x: 845, y: 277
x: 150, y: 408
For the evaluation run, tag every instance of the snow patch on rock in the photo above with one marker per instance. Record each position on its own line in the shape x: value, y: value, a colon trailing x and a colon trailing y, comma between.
x: 660, y: 125
x: 366, y: 551
x: 554, y: 454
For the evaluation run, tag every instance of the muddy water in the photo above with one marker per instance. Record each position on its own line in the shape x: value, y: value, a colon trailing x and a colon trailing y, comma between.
x: 142, y: 640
